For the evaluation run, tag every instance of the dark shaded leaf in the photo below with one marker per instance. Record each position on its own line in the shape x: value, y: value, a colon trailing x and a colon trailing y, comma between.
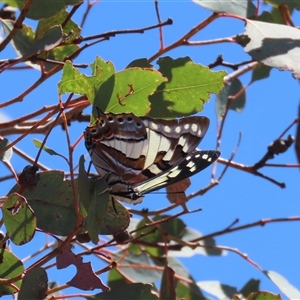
x: 34, y: 285
x: 140, y: 62
x: 45, y: 24
x: 50, y: 40
x: 45, y: 9
x: 136, y: 291
x: 137, y: 274
x: 189, y: 291
x: 112, y: 223
x: 229, y: 91
x: 265, y: 16
x: 260, y: 72
x: 190, y: 235
x: 84, y: 187
x: 250, y: 287
x: 52, y: 201
x: 22, y: 40
x: 97, y: 209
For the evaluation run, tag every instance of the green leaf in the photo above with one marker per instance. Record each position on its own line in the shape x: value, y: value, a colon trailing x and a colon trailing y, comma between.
x: 5, y: 156
x: 112, y: 223
x: 47, y: 42
x: 128, y: 91
x: 38, y: 144
x: 136, y: 291
x: 274, y: 45
x: 138, y: 274
x: 286, y: 288
x: 189, y: 86
x: 189, y: 235
x: 263, y: 296
x: 260, y: 72
x: 251, y: 286
x: 222, y: 99
x: 52, y: 201
x: 73, y: 81
x: 84, y: 187
x: 22, y: 40
x: 189, y: 291
x: 34, y: 285
x: 243, y: 8
x: 44, y: 25
x: 290, y: 3
x: 45, y: 9
x: 19, y: 219
x: 97, y: 209
x: 265, y: 16
x: 174, y: 227
x: 114, y: 279
x: 58, y: 54
x: 11, y: 267
x: 140, y: 62
x: 181, y: 271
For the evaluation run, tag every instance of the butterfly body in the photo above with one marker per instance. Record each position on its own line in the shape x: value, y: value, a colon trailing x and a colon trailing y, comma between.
x: 138, y: 155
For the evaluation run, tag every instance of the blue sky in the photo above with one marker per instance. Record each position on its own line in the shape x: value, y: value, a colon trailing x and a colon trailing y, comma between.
x: 272, y: 104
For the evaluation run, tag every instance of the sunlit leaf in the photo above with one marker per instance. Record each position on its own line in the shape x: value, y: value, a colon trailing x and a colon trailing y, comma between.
x: 11, y: 266
x: 286, y: 288
x: 274, y: 45
x: 19, y: 219
x: 188, y: 88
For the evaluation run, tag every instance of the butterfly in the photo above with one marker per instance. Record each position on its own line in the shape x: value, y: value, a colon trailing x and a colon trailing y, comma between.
x: 139, y: 155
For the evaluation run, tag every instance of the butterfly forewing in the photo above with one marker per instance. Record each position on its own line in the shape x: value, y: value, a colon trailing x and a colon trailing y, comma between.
x: 192, y: 164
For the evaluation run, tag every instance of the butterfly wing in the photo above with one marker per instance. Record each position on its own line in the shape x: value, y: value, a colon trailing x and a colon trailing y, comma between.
x: 128, y: 149
x: 191, y: 165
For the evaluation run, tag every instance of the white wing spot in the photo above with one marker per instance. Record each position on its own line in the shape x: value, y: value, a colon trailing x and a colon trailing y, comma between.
x: 167, y: 129
x: 154, y: 126
x: 174, y: 173
x: 197, y: 155
x: 205, y: 156
x: 199, y: 132
x: 190, y: 164
x: 194, y: 128
x: 186, y: 126
x: 188, y: 157
x: 177, y: 129
x: 193, y: 169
